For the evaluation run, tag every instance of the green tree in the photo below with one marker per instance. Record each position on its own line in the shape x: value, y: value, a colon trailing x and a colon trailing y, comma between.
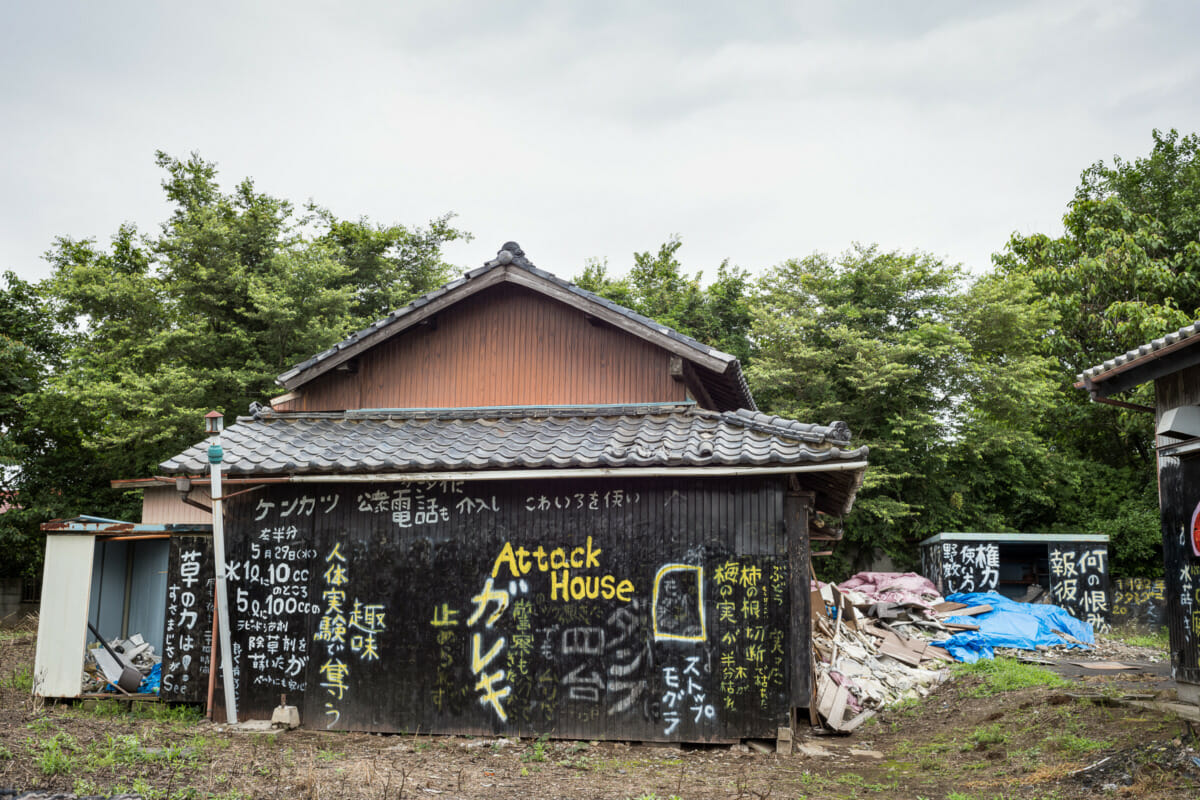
x: 235, y: 288
x: 1125, y: 270
x: 44, y: 468
x: 866, y: 339
x: 940, y: 375
x: 657, y: 287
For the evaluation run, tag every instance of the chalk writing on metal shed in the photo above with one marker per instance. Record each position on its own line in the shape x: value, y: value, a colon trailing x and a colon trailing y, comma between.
x: 641, y: 609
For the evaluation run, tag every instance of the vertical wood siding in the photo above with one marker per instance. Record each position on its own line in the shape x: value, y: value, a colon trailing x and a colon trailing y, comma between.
x: 161, y: 504
x: 1179, y: 496
x: 505, y: 346
x: 619, y: 609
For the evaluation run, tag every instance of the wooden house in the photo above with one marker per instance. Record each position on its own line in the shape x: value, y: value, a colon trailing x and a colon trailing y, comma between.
x: 1173, y: 364
x: 515, y: 507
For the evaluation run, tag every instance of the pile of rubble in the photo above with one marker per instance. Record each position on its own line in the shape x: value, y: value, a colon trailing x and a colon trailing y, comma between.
x: 871, y: 644
x: 128, y: 666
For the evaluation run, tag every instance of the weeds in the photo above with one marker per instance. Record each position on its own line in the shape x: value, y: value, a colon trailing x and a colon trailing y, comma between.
x: 1001, y: 675
x: 1155, y: 640
x: 55, y: 755
x: 20, y: 678
x: 1074, y: 745
x: 982, y: 738
x: 537, y: 750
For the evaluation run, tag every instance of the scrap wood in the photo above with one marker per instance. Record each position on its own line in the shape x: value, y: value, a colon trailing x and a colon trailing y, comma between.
x: 960, y: 626
x: 1103, y: 665
x: 972, y: 611
x: 838, y: 709
x: 907, y: 651
x: 934, y: 652
x: 862, y: 717
x: 946, y: 607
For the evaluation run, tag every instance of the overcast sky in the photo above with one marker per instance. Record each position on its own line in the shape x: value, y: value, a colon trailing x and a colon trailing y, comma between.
x: 757, y: 131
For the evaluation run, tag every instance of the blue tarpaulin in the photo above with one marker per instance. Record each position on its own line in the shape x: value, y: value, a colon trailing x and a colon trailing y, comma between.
x: 1012, y: 624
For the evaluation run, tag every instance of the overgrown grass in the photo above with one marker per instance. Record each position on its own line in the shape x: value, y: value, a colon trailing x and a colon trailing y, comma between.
x: 56, y: 755
x: 982, y: 738
x: 179, y: 714
x: 1074, y: 745
x: 20, y: 678
x: 1001, y: 675
x: 1155, y: 640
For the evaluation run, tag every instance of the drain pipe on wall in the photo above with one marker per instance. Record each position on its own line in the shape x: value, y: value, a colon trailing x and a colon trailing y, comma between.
x: 213, y: 423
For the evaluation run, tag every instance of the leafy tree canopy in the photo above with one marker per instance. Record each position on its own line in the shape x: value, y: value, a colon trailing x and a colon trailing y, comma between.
x: 110, y: 363
x: 927, y: 368
x: 1125, y: 270
x: 657, y: 287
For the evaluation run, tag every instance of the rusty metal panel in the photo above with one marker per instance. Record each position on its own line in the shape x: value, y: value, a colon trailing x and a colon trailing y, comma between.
x: 506, y: 346
x: 1139, y: 603
x: 619, y: 609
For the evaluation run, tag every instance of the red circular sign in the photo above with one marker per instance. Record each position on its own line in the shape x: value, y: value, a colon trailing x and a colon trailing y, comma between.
x: 1196, y: 530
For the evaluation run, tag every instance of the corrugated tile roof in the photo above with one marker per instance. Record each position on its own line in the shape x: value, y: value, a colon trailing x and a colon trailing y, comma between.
x: 430, y: 440
x: 1145, y: 352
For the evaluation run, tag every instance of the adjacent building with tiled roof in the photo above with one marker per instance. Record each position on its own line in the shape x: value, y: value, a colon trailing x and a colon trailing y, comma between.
x: 1172, y: 363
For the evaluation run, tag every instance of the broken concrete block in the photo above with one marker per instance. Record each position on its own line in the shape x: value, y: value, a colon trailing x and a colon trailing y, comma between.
x: 286, y: 717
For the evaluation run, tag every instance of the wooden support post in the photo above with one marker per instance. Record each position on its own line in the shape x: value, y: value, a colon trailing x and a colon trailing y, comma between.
x: 796, y: 507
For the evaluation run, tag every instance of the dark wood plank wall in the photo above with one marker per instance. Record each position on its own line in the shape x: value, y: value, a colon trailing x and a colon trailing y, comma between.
x: 504, y: 346
x: 1179, y: 495
x: 374, y: 618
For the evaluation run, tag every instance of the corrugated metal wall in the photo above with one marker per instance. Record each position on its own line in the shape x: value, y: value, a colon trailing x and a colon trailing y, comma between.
x: 1179, y: 497
x: 620, y: 609
x: 505, y: 346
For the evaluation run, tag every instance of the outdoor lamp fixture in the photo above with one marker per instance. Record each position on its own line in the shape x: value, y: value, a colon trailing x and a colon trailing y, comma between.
x: 212, y: 425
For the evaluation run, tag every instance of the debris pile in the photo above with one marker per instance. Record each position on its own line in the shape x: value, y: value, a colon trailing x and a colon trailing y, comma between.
x: 125, y: 666
x: 880, y: 638
x: 867, y: 646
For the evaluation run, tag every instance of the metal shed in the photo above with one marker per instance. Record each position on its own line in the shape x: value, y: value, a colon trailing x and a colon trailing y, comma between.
x: 124, y: 578
x: 1071, y: 569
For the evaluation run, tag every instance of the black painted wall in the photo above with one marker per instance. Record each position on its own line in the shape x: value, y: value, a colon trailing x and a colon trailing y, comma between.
x: 649, y: 609
x: 187, y: 635
x: 1179, y: 498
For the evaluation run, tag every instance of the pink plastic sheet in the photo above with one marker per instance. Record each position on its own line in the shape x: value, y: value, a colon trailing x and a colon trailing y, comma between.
x: 894, y: 587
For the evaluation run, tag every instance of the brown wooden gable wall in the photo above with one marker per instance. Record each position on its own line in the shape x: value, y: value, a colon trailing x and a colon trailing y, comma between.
x: 504, y: 346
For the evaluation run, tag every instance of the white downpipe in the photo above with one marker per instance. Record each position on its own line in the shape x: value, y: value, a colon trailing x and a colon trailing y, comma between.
x: 218, y: 522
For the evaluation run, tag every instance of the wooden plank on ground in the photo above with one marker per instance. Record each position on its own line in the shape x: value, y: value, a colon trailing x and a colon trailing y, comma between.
x: 956, y: 626
x: 940, y: 653
x: 972, y: 611
x: 947, y: 607
x: 834, y: 720
x: 851, y: 724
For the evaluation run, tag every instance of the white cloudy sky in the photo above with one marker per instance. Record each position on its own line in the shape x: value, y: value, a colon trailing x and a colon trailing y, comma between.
x: 758, y: 131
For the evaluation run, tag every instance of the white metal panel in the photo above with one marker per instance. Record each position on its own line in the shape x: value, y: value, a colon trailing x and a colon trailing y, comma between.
x: 62, y: 625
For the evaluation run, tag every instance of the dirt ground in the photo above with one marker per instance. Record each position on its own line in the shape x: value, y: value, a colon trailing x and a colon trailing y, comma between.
x: 1030, y: 743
